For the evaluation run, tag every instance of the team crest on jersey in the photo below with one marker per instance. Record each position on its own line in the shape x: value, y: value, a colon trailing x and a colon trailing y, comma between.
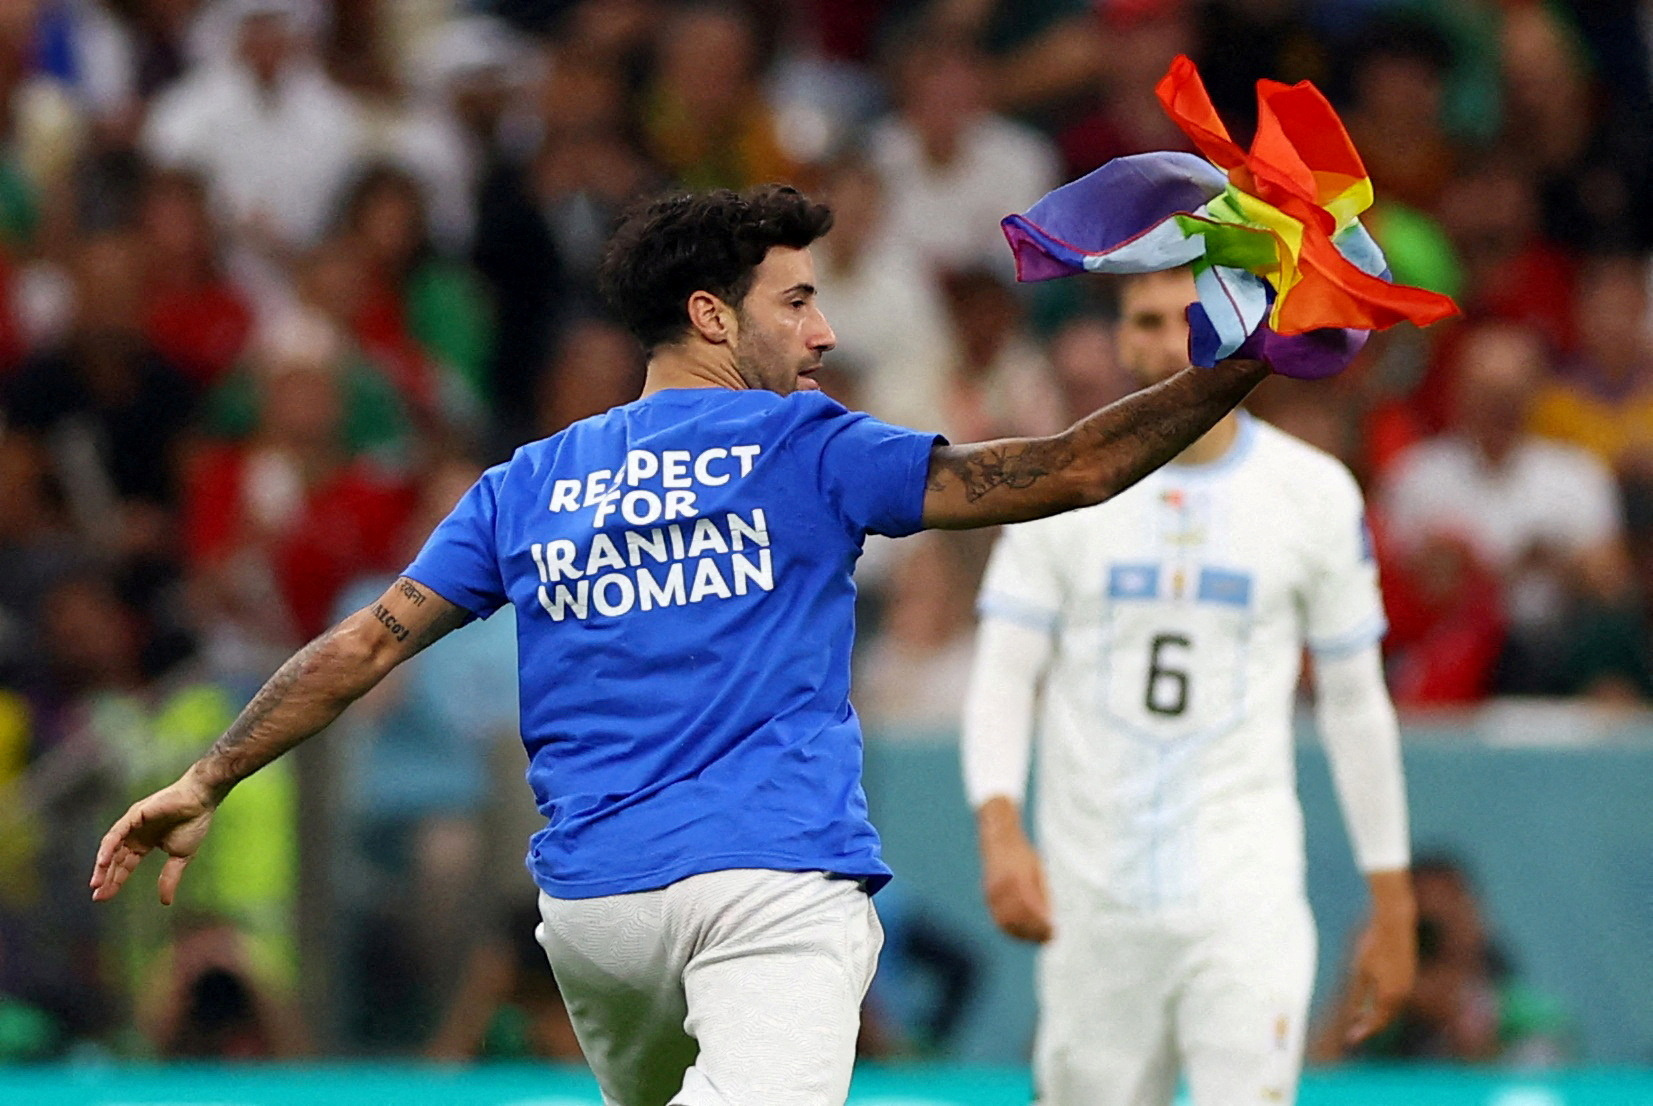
x: 1182, y: 518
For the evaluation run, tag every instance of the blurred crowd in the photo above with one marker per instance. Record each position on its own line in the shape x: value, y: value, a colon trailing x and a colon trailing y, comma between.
x: 278, y: 277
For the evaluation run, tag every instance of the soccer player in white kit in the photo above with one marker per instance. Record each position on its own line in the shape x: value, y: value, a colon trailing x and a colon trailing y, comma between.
x: 1155, y: 641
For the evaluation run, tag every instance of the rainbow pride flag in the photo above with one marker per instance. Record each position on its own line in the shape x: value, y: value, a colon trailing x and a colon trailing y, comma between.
x: 1282, y: 266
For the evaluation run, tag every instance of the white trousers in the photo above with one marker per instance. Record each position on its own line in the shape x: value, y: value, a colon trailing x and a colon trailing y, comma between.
x: 733, y: 988
x: 1126, y: 1001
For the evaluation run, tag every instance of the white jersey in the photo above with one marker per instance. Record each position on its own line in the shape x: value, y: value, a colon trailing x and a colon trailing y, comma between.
x: 1179, y: 610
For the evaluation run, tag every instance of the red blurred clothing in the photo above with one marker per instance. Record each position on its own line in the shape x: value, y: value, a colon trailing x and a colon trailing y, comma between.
x: 1446, y: 624
x: 1535, y: 287
x: 201, y: 329
x: 350, y: 523
x: 12, y: 348
x: 381, y: 328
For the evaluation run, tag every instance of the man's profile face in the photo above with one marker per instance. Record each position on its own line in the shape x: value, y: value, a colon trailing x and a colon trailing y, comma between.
x: 781, y: 332
x: 1152, y: 334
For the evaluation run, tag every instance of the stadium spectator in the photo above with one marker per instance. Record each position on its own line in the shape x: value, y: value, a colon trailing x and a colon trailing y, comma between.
x: 1603, y: 399
x: 465, y: 76
x: 1397, y: 114
x: 205, y: 1000
x: 1243, y: 41
x: 706, y: 116
x: 1446, y: 623
x: 952, y: 167
x: 999, y: 383
x: 28, y: 1034
x: 540, y: 226
x: 1589, y: 155
x: 1083, y: 363
x: 1512, y: 271
x: 417, y: 310
x: 895, y: 335
x: 104, y: 409
x: 274, y: 137
x: 195, y: 316
x: 1545, y: 517
x: 41, y: 130
x: 929, y: 976
x: 35, y: 542
x: 378, y: 420
x: 1041, y: 53
x: 1127, y: 118
x: 277, y: 524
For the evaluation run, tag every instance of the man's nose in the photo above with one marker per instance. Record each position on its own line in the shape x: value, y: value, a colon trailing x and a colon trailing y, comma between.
x: 822, y: 338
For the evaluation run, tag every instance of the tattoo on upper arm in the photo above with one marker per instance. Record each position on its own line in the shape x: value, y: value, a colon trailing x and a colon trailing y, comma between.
x: 390, y: 622
x: 447, y: 618
x: 442, y: 625
x: 980, y: 469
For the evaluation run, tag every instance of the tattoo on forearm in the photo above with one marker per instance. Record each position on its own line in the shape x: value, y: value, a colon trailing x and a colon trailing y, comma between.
x: 1097, y: 457
x: 411, y: 590
x: 389, y: 621
x: 230, y: 754
x: 1012, y: 466
x: 309, y: 691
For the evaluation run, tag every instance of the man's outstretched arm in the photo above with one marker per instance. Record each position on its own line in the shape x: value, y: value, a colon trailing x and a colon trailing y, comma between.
x: 1016, y: 479
x: 306, y: 693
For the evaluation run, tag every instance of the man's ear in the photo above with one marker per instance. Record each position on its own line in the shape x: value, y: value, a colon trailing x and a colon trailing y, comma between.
x: 711, y: 318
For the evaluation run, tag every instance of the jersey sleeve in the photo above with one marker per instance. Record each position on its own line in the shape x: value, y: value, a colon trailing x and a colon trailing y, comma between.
x: 460, y: 560
x: 1343, y: 609
x: 872, y: 473
x: 1023, y: 583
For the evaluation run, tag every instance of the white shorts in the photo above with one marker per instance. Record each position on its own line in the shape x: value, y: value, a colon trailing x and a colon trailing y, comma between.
x: 1127, y: 1001
x: 733, y: 988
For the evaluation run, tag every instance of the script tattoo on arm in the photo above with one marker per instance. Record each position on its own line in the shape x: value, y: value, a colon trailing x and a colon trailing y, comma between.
x: 432, y: 626
x: 388, y: 620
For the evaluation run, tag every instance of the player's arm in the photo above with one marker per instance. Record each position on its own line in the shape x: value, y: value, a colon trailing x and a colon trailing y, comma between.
x: 997, y: 747
x: 306, y: 693
x: 1015, y: 479
x: 1362, y: 737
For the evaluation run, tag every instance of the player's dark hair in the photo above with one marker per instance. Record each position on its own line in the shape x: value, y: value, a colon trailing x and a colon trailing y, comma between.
x: 672, y: 246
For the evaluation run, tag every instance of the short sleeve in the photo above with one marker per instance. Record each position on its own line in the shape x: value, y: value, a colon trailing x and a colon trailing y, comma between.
x: 460, y: 560
x: 1023, y: 583
x: 871, y: 472
x: 1343, y: 608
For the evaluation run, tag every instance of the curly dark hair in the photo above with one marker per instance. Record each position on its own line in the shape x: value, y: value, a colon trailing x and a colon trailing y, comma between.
x: 667, y: 248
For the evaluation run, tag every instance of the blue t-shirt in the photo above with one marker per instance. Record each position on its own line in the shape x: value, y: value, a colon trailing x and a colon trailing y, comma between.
x: 680, y: 568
